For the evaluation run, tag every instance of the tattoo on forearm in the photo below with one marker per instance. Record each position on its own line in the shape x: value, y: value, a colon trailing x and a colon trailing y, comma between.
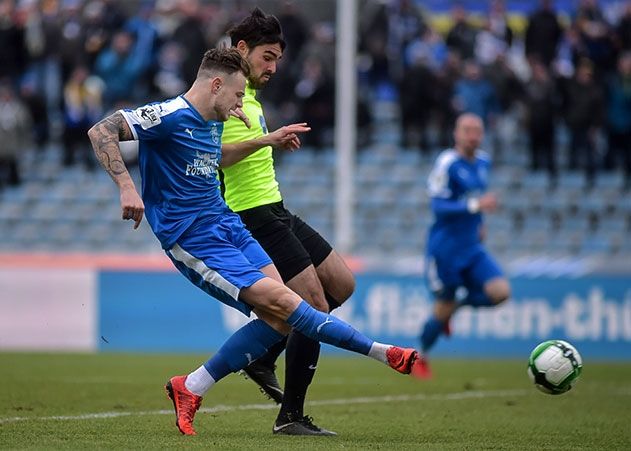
x: 105, y: 136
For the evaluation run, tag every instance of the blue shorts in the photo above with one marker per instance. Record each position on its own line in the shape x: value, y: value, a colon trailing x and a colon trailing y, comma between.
x: 220, y: 256
x: 447, y: 272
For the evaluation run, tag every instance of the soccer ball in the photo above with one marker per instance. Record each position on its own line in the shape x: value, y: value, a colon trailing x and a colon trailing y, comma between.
x: 554, y: 366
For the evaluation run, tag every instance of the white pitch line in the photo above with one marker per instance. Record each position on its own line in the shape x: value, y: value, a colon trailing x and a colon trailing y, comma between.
x: 269, y: 406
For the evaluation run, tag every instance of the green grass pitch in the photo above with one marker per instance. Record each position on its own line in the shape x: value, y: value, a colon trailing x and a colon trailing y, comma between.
x: 117, y: 401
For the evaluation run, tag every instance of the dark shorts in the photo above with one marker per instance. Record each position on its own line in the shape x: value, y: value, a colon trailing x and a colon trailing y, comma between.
x: 289, y: 241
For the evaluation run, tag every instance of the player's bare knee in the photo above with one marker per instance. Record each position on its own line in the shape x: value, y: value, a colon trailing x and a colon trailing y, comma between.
x: 318, y: 301
x: 282, y: 302
x: 444, y: 309
x: 499, y: 291
x: 273, y: 321
x: 348, y: 288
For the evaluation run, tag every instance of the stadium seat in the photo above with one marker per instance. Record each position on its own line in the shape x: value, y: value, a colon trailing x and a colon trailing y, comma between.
x: 572, y: 180
x: 596, y: 244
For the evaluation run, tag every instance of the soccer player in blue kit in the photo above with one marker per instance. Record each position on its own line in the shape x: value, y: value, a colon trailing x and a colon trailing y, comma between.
x: 179, y: 154
x: 456, y: 256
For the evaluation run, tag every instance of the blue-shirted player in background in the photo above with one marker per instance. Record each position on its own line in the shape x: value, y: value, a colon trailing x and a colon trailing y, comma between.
x: 456, y: 256
x: 180, y: 152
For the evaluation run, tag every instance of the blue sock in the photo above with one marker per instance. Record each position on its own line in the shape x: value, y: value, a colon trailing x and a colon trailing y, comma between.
x: 243, y: 347
x: 431, y: 331
x: 477, y: 299
x: 328, y: 329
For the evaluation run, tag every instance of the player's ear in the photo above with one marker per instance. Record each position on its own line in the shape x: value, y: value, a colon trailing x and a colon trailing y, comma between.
x: 215, y: 85
x: 242, y: 47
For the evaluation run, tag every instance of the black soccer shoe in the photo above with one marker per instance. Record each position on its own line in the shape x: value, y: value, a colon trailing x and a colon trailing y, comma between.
x: 301, y: 426
x: 265, y: 378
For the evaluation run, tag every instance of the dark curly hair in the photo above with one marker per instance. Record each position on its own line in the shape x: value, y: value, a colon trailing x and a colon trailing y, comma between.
x: 258, y: 29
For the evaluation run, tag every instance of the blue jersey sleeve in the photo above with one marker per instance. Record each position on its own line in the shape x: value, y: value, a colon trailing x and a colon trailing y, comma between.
x: 148, y: 123
x: 449, y: 207
x: 441, y: 189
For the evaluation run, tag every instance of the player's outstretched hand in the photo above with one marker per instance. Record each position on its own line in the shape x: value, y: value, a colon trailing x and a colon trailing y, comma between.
x: 131, y: 205
x: 488, y: 202
x: 286, y: 137
x: 239, y: 114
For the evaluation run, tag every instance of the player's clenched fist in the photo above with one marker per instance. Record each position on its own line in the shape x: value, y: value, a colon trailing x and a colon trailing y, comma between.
x: 131, y: 205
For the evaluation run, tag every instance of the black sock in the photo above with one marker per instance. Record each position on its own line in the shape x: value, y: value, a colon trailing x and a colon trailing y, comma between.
x: 270, y: 357
x: 333, y: 304
x: 302, y: 358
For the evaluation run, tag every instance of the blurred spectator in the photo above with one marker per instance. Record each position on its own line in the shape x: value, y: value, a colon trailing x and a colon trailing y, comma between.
x: 623, y: 30
x: 496, y: 36
x: 295, y: 30
x: 315, y: 92
x: 594, y: 33
x: 14, y: 133
x: 115, y: 16
x: 190, y: 36
x: 82, y: 108
x: 72, y: 45
x: 168, y: 78
x: 446, y: 78
x: 44, y: 41
x: 541, y: 100
x: 498, y: 22
x: 619, y: 118
x: 372, y: 44
x: 430, y: 47
x: 146, y: 47
x: 36, y: 104
x: 584, y: 105
x: 461, y: 38
x: 12, y: 47
x: 416, y: 102
x: 474, y: 94
x: 405, y: 24
x: 543, y: 33
x: 508, y: 94
x: 120, y: 67
x: 96, y: 35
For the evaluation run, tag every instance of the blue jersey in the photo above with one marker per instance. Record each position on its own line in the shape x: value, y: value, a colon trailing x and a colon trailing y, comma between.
x: 179, y: 153
x: 452, y: 182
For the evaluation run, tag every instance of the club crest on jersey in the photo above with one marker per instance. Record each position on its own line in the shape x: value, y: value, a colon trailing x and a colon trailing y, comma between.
x: 214, y: 135
x: 148, y: 116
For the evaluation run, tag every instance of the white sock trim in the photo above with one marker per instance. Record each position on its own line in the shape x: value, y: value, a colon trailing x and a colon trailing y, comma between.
x: 378, y: 352
x: 199, y: 381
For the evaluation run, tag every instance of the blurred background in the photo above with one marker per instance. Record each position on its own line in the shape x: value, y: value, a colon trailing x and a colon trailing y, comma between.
x: 551, y: 79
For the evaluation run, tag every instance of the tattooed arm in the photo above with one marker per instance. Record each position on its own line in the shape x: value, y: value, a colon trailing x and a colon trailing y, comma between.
x: 105, y: 137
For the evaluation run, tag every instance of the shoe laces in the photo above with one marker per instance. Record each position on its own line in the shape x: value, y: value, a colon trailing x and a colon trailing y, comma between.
x: 189, y: 405
x: 396, y: 357
x: 307, y: 421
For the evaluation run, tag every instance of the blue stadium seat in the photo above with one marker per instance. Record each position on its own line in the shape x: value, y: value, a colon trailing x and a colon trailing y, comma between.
x: 535, y: 180
x: 596, y: 244
x: 571, y: 179
x: 609, y: 180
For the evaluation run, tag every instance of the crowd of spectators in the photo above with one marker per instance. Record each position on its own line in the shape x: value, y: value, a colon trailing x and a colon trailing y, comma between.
x: 65, y: 63
x: 571, y: 70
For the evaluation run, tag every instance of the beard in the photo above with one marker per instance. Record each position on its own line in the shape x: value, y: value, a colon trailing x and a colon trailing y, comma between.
x: 260, y: 82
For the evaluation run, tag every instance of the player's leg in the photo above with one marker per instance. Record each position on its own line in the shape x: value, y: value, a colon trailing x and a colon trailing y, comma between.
x: 302, y: 354
x: 271, y: 299
x: 443, y: 278
x: 208, y: 258
x: 485, y: 282
x: 271, y: 226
